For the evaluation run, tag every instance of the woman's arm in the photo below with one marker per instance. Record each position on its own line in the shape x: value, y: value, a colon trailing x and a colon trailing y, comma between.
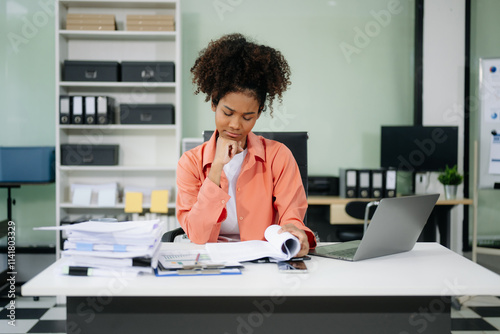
x: 290, y: 197
x: 201, y: 204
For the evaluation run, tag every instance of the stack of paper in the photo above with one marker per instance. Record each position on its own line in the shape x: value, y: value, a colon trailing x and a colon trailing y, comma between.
x: 97, y: 248
x: 90, y: 22
x: 150, y: 23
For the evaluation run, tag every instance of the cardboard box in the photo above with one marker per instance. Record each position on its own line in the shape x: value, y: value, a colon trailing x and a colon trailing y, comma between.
x: 90, y: 27
x: 169, y: 18
x: 150, y: 28
x: 77, y: 16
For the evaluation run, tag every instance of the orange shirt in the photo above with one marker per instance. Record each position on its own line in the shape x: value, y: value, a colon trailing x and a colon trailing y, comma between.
x: 269, y: 191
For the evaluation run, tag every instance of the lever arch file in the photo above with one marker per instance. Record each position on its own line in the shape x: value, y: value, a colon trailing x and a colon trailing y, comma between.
x: 90, y: 112
x: 364, y: 182
x: 65, y: 110
x: 77, y: 106
x: 348, y: 183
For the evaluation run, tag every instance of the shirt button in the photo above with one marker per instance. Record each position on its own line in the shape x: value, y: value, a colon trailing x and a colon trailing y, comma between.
x: 239, y: 189
x: 241, y: 218
x: 223, y: 201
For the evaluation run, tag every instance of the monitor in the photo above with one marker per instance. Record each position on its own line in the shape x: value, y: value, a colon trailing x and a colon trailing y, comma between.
x: 419, y: 148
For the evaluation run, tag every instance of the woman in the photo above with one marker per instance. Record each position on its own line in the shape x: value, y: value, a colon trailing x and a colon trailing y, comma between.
x: 235, y: 185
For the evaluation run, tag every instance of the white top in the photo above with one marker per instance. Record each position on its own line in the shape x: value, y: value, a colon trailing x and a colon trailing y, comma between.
x: 232, y: 170
x: 428, y: 270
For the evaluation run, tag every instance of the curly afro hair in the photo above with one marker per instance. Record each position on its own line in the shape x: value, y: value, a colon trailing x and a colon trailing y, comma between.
x: 235, y: 64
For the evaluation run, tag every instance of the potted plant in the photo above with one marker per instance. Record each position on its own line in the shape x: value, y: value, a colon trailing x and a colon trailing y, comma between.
x: 450, y: 178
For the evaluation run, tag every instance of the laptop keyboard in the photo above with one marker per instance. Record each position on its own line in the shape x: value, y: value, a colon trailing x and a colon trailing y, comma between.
x: 348, y: 253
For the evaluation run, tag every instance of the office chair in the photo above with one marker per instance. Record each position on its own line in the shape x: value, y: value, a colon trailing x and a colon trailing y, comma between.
x: 295, y: 141
x: 359, y: 210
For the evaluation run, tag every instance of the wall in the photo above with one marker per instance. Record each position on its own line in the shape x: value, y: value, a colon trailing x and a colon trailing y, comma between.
x: 27, y: 115
x: 340, y: 103
x: 340, y: 97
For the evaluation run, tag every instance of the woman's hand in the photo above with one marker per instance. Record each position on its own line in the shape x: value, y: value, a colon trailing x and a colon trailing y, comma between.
x: 225, y: 150
x: 300, y: 234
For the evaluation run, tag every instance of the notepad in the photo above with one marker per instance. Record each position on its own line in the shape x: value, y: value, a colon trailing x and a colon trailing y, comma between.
x: 133, y: 202
x: 159, y: 201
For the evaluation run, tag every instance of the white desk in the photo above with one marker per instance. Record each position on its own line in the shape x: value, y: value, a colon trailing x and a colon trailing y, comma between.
x: 412, y: 290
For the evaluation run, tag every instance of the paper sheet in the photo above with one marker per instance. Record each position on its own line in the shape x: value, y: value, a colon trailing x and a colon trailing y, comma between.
x: 494, y: 167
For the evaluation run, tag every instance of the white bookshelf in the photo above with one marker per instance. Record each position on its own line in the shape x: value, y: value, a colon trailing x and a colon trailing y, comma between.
x: 148, y: 154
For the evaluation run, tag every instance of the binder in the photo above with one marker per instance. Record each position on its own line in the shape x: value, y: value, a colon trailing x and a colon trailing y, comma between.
x: 364, y: 182
x: 77, y: 110
x: 65, y: 109
x: 348, y: 180
x: 90, y: 110
x: 390, y: 183
x: 104, y: 110
x: 377, y: 186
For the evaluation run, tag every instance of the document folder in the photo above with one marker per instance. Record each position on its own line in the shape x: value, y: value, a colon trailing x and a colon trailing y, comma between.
x: 104, y: 110
x: 348, y: 183
x: 390, y: 183
x: 65, y: 110
x: 364, y: 182
x: 77, y: 106
x: 90, y: 110
x: 377, y: 188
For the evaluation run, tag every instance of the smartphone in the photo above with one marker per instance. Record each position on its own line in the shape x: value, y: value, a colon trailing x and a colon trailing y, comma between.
x: 293, y: 267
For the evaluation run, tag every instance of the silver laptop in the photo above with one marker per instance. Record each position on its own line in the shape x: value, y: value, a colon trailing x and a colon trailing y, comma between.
x: 394, y: 228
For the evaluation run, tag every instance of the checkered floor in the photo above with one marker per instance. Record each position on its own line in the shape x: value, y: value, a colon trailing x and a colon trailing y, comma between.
x: 477, y: 315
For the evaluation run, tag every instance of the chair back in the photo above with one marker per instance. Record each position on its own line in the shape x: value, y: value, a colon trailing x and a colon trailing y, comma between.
x: 356, y: 209
x: 295, y: 141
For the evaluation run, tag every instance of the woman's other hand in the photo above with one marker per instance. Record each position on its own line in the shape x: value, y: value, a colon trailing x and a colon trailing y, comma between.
x: 300, y: 234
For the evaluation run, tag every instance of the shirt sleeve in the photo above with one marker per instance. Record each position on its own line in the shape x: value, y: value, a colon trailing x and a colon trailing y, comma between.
x: 290, y: 197
x: 201, y: 204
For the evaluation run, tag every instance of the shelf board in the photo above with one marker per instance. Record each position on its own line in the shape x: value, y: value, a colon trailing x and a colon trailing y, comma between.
x: 106, y: 127
x: 121, y: 206
x: 118, y: 168
x: 158, y: 4
x: 123, y: 35
x: 108, y: 84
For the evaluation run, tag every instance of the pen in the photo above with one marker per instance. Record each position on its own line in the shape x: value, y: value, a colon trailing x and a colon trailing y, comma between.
x: 197, y: 259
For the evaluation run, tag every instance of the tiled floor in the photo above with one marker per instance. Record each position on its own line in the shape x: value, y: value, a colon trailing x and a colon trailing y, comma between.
x: 477, y: 315
x: 42, y: 316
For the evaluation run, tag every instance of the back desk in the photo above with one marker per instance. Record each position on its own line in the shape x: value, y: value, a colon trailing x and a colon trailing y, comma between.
x: 440, y: 216
x: 403, y: 293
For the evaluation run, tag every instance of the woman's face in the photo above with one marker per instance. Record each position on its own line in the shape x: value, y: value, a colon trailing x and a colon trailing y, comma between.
x: 235, y: 116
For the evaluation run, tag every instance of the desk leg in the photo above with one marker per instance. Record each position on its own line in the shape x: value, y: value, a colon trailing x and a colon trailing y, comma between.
x: 263, y: 315
x: 440, y: 218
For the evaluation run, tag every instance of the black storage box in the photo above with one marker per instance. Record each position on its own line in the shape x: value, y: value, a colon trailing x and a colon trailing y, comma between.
x: 323, y: 186
x: 148, y: 71
x: 147, y: 114
x: 89, y: 155
x: 78, y: 70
